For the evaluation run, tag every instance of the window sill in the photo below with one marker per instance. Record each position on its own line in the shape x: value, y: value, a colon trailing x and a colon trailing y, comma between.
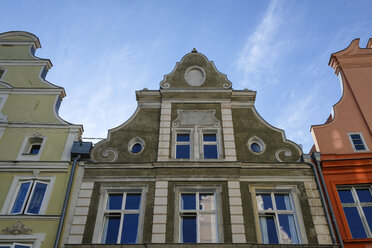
x: 366, y: 241
x: 39, y: 217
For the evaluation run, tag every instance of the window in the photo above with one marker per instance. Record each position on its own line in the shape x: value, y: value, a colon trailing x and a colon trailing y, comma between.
x: 15, y: 245
x: 136, y: 145
x: 196, y: 144
x: 198, y: 213
x: 210, y: 146
x: 183, y: 145
x: 357, y: 142
x: 32, y: 147
x: 122, y: 217
x: 357, y: 204
x: 277, y: 217
x: 256, y: 145
x: 29, y: 197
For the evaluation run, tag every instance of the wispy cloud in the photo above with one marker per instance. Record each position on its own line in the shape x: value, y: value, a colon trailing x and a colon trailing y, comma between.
x: 107, y: 87
x: 295, y: 116
x: 261, y: 48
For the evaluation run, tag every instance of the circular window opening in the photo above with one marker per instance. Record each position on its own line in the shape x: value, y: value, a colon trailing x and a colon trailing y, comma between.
x: 136, y: 148
x: 255, y: 147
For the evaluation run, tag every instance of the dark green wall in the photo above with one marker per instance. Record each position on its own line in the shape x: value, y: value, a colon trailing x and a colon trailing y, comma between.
x: 247, y: 125
x: 145, y: 125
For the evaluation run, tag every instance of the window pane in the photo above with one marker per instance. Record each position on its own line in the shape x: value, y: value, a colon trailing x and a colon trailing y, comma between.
x: 288, y: 229
x: 268, y: 230
x: 255, y: 147
x: 133, y: 201
x: 210, y: 151
x: 209, y: 137
x: 364, y: 195
x: 35, y: 149
x: 264, y: 202
x: 355, y: 223
x: 20, y: 246
x: 188, y: 229
x: 368, y: 214
x: 21, y: 197
x: 358, y: 142
x: 111, y: 230
x: 355, y: 136
x: 188, y: 201
x: 345, y: 196
x: 208, y: 230
x: 282, y: 202
x: 206, y: 202
x: 183, y: 151
x: 136, y: 148
x: 360, y: 147
x: 37, y: 198
x: 183, y: 137
x: 114, y: 201
x: 130, y: 229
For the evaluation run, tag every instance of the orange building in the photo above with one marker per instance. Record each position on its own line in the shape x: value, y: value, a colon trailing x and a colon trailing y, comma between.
x: 344, y: 144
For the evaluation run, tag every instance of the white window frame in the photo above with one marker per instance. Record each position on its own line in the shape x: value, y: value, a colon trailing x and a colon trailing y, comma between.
x: 189, y: 131
x: 33, y: 240
x: 12, y: 245
x: 13, y: 192
x: 292, y: 191
x: 352, y: 142
x: 24, y: 151
x: 359, y: 205
x: 101, y: 214
x: 3, y: 98
x: 197, y: 143
x: 216, y: 190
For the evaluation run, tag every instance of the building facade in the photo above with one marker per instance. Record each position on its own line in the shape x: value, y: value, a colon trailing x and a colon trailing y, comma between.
x: 35, y: 146
x: 344, y: 144
x: 195, y: 164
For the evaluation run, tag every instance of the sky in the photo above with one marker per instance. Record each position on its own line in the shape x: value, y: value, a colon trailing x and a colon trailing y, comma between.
x: 103, y: 51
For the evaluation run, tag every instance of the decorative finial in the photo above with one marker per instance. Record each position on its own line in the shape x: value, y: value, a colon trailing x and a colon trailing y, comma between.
x: 194, y: 50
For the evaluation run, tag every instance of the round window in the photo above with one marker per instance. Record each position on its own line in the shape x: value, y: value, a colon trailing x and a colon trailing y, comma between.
x: 255, y: 147
x: 136, y: 148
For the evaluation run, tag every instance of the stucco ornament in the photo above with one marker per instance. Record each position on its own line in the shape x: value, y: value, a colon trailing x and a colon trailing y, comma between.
x: 110, y: 154
x: 37, y: 135
x: 285, y: 152
x: 227, y: 85
x: 16, y: 229
x: 195, y: 72
x: 164, y: 85
x: 190, y: 118
x: 195, y: 76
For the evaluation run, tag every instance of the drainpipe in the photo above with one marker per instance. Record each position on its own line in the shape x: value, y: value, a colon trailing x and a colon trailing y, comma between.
x: 67, y: 196
x: 316, y: 157
x: 306, y: 157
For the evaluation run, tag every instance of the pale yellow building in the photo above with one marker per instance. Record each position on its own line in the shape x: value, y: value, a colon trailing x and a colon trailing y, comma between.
x: 35, y: 145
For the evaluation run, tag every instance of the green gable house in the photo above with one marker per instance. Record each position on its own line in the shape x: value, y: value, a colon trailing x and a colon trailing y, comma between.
x: 35, y: 146
x: 195, y: 166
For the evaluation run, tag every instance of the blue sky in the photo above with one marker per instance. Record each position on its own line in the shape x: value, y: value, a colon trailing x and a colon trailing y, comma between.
x: 102, y: 51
